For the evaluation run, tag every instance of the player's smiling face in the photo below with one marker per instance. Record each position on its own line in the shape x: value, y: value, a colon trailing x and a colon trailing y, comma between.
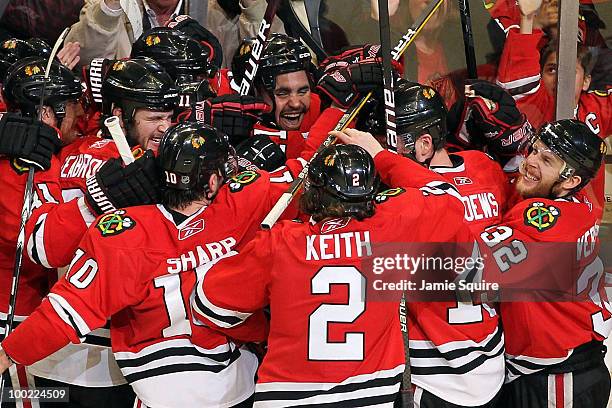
x: 148, y: 127
x: 291, y: 99
x: 539, y: 172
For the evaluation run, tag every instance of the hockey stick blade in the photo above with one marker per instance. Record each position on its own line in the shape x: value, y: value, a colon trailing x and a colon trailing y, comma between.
x: 112, y: 124
x: 397, y: 52
x: 257, y: 50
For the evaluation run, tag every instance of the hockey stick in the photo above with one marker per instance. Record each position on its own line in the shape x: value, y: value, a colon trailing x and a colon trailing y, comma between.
x: 468, y: 38
x: 407, y: 397
x: 400, y: 48
x: 312, y: 12
x: 260, y: 42
x: 388, y: 80
x: 118, y: 136
x: 26, y: 210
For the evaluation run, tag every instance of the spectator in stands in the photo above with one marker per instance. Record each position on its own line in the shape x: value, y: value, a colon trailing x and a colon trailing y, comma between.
x: 106, y: 29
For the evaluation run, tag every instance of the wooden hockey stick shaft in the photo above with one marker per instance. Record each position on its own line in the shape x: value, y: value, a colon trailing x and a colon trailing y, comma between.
x: 285, y: 199
x: 26, y: 210
x: 257, y: 50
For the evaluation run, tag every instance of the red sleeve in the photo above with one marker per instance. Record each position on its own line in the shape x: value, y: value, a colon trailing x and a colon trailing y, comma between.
x: 52, y: 220
x: 232, y: 308
x: 93, y: 289
x: 399, y: 171
x: 26, y: 345
x: 319, y: 131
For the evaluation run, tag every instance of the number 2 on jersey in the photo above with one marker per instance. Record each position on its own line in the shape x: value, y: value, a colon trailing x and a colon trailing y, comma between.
x: 319, y: 346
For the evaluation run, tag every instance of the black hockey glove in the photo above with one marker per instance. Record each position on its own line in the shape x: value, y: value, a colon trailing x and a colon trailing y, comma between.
x: 234, y: 115
x: 345, y: 85
x: 28, y: 140
x: 115, y: 186
x: 261, y: 152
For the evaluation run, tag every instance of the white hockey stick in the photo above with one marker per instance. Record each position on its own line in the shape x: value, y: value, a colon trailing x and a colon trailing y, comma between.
x: 118, y: 136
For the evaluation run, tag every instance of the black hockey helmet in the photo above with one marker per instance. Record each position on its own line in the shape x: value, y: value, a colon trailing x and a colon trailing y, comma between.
x: 190, y: 152
x: 181, y: 56
x: 138, y: 83
x: 281, y: 55
x: 241, y: 58
x: 262, y: 152
x: 14, y: 49
x: 419, y: 109
x: 23, y: 86
x: 344, y: 172
x: 195, y: 30
x: 581, y: 149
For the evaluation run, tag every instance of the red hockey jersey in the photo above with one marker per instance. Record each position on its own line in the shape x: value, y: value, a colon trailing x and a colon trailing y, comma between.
x: 539, y: 334
x: 519, y: 74
x: 329, y: 343
x: 70, y: 218
x: 483, y: 186
x: 138, y: 266
x: 293, y: 141
x: 456, y: 348
x: 34, y: 280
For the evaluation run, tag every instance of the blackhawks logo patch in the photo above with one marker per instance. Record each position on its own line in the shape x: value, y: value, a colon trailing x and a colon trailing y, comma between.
x: 114, y: 223
x: 541, y: 217
x: 385, y: 195
x: 240, y: 180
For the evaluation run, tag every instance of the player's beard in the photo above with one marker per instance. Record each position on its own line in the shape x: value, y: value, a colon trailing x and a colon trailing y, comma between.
x: 532, y: 189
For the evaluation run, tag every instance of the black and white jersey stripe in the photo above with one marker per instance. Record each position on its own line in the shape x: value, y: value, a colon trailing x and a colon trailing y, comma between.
x: 521, y: 87
x: 475, y: 369
x: 378, y: 389
x: 524, y: 365
x: 174, y: 356
x: 97, y: 337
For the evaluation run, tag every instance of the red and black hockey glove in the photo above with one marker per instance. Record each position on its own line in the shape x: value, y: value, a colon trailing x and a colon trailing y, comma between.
x: 491, y: 119
x: 28, y: 140
x: 345, y: 85
x: 234, y: 115
x: 350, y: 55
x: 115, y: 186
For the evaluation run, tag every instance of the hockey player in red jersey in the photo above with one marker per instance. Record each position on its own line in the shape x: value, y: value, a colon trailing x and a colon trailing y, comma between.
x: 143, y: 96
x: 421, y: 118
x: 456, y: 348
x: 531, y: 78
x: 554, y: 349
x: 25, y: 141
x: 328, y: 344
x: 283, y: 80
x: 138, y: 267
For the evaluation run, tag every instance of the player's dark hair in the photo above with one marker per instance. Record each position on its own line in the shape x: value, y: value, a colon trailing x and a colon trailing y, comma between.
x: 180, y: 199
x: 320, y: 205
x: 584, y: 56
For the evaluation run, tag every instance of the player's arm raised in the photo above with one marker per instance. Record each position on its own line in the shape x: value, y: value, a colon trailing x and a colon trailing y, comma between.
x: 231, y: 295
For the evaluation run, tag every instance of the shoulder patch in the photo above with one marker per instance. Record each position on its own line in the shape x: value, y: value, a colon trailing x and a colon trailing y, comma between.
x: 385, y: 195
x: 240, y: 180
x: 540, y: 216
x: 114, y: 223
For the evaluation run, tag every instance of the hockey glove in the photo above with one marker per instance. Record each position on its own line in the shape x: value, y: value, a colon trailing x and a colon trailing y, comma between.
x: 350, y: 55
x: 28, y: 140
x: 260, y: 151
x: 115, y: 186
x: 234, y: 115
x: 345, y: 85
x: 493, y: 119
